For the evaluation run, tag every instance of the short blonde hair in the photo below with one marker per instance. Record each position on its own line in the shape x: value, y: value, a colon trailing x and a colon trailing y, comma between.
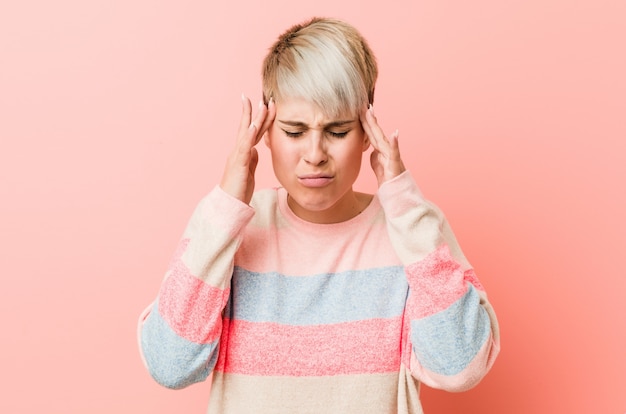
x: 325, y: 61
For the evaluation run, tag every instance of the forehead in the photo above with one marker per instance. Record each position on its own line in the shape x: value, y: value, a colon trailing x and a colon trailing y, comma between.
x: 295, y: 109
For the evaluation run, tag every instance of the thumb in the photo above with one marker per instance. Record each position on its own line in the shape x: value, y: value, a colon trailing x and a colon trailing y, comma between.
x: 254, y: 160
x: 377, y: 166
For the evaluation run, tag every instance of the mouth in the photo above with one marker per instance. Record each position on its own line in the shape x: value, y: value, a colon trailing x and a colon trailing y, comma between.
x: 315, y: 180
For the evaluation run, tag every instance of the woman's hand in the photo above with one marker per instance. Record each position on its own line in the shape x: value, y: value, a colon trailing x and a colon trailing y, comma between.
x: 385, y: 158
x: 238, y: 178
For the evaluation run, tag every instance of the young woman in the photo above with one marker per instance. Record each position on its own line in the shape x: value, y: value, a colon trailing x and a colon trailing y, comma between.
x: 315, y: 298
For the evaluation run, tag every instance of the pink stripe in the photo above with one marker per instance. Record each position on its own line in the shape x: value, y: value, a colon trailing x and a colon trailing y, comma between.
x: 436, y: 281
x: 192, y: 308
x: 407, y: 346
x: 369, y: 346
x: 259, y: 254
x: 470, y: 276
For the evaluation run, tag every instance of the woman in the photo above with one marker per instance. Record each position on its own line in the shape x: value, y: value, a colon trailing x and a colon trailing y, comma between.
x: 314, y: 297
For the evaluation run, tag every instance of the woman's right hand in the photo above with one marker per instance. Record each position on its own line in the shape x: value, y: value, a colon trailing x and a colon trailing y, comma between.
x: 238, y: 178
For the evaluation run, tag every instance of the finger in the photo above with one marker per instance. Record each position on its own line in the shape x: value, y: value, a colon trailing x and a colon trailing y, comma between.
x: 246, y: 115
x: 261, y: 113
x: 373, y: 124
x: 368, y: 131
x: 393, y: 142
x: 250, y: 136
x: 395, y: 145
x: 398, y: 165
x: 247, y: 142
x: 259, y: 122
x: 269, y: 118
x: 375, y: 132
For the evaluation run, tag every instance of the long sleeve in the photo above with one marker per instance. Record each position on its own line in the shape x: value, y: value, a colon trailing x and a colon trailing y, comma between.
x: 179, y: 333
x: 452, y: 329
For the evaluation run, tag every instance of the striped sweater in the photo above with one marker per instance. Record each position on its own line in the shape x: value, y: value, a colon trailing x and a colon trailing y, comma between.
x: 295, y: 317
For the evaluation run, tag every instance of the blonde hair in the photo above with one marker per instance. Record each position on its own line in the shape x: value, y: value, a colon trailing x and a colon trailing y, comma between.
x: 325, y: 61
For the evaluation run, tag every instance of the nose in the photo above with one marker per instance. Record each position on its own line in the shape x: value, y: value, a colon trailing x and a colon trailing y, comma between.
x: 315, y: 149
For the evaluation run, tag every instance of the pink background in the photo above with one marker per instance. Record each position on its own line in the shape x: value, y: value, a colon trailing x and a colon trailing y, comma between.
x: 116, y: 117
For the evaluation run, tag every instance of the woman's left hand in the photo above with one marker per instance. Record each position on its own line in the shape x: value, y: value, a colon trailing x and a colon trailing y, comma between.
x: 385, y: 159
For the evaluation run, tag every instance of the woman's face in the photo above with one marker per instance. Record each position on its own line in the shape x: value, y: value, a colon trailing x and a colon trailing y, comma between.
x: 317, y: 160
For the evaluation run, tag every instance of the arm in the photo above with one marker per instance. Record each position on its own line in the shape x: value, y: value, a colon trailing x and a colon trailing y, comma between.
x: 453, y: 331
x: 179, y: 333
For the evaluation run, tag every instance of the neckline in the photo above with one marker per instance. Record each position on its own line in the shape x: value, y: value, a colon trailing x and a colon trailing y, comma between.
x: 364, y: 216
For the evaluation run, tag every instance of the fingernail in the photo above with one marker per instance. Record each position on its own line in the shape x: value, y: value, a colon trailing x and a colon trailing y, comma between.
x: 371, y: 109
x: 261, y: 104
x: 243, y: 97
x: 252, y: 125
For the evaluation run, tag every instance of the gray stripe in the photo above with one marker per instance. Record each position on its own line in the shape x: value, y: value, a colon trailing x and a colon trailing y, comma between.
x: 174, y: 362
x: 318, y: 299
x: 447, y: 341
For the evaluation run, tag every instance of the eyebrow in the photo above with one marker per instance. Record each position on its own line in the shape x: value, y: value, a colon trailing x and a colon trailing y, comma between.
x: 301, y: 124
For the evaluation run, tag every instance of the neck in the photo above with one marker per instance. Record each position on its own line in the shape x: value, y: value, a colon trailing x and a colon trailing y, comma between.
x: 345, y: 209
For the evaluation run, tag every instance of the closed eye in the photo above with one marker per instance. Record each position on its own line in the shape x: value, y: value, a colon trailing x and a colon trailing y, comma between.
x: 338, y: 134
x: 293, y: 134
x: 333, y: 134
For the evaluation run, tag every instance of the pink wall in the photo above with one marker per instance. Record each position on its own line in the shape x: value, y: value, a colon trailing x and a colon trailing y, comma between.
x: 116, y: 116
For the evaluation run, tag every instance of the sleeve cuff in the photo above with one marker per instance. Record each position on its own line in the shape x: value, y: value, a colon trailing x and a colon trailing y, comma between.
x: 399, y: 195
x: 226, y: 211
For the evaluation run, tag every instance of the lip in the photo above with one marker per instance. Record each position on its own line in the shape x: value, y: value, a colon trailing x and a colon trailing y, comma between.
x: 315, y: 180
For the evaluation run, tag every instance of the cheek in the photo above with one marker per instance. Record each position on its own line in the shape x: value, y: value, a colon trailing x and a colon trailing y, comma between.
x: 281, y: 150
x: 354, y: 151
